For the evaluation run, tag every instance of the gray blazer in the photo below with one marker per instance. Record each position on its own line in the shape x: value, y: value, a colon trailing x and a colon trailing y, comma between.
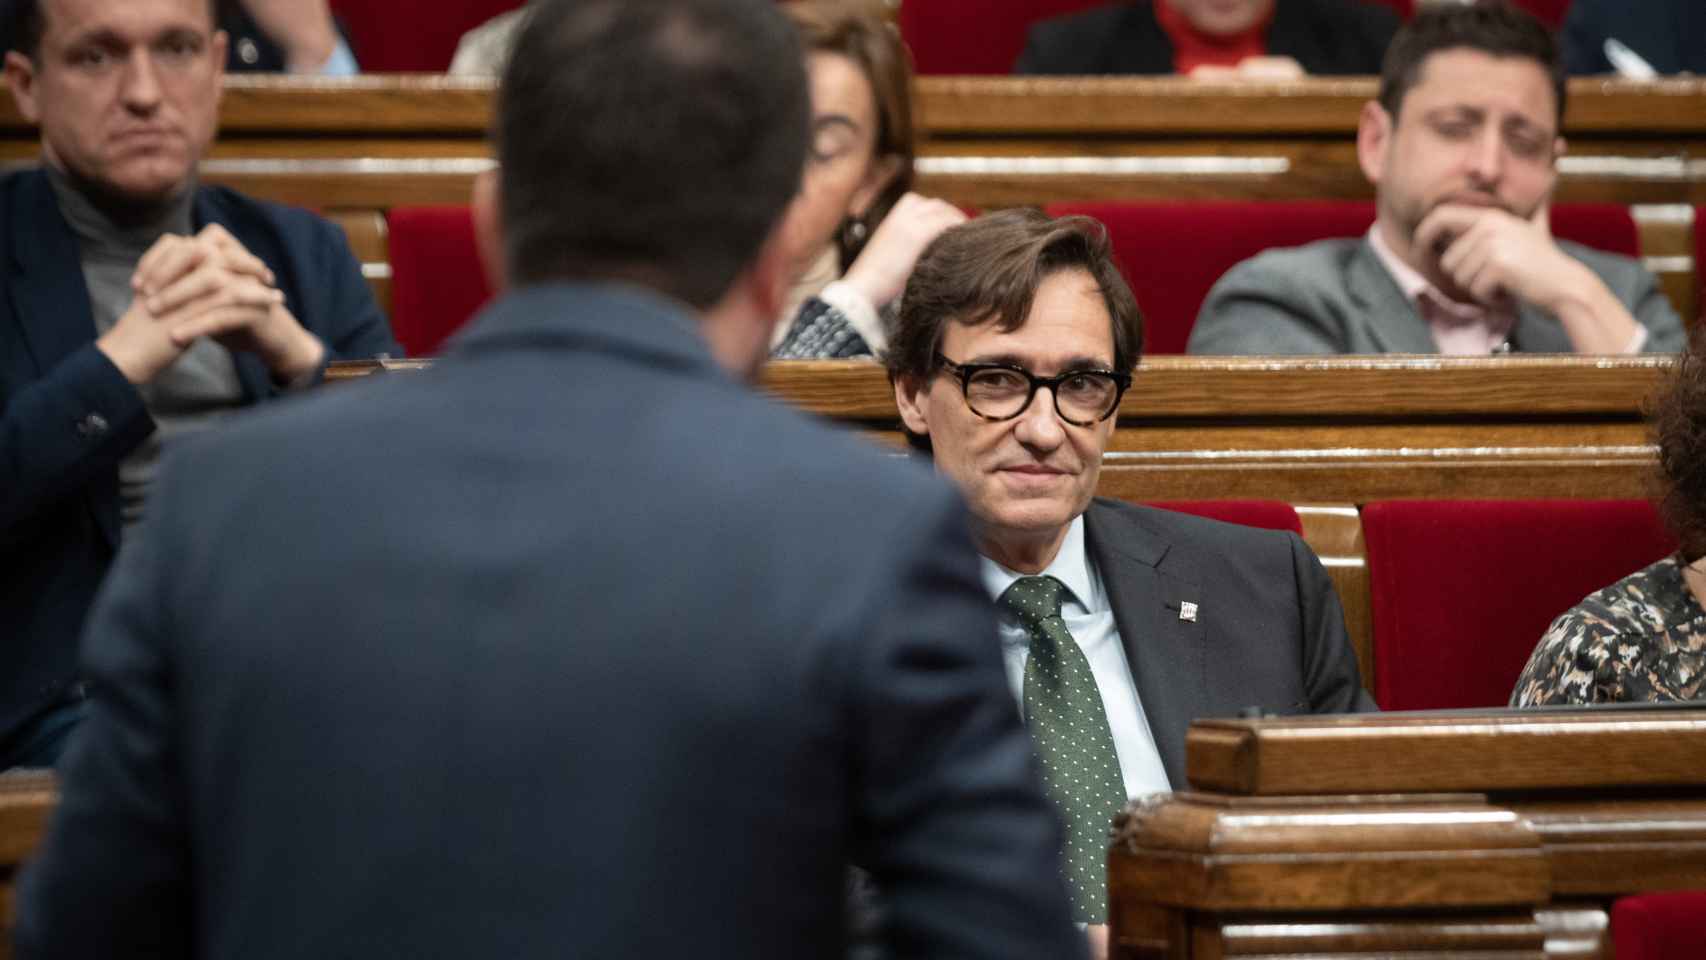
x: 1335, y: 296
x: 1269, y: 631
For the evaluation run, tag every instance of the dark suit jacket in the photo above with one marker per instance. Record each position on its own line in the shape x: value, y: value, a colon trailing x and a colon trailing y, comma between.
x: 569, y: 647
x: 68, y: 417
x: 1669, y: 34
x: 1335, y: 296
x: 1325, y: 36
x: 1269, y: 631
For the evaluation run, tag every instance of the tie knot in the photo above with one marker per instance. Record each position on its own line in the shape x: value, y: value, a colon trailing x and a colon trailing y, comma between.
x: 1033, y: 599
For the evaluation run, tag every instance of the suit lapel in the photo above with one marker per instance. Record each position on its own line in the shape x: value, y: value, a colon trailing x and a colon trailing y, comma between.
x: 1390, y: 318
x: 1165, y: 652
x: 50, y: 300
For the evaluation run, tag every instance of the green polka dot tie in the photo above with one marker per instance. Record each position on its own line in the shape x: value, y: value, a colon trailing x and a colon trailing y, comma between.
x: 1070, y: 730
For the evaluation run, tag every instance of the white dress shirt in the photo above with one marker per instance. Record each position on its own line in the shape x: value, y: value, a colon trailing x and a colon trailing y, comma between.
x: 1090, y: 619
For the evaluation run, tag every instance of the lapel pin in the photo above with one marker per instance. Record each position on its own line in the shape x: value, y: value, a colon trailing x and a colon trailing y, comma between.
x: 1188, y: 612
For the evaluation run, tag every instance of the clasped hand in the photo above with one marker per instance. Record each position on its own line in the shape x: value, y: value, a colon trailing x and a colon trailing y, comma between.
x: 1493, y: 256
x: 208, y: 285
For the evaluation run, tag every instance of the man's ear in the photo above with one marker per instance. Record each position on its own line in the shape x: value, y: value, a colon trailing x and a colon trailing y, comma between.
x: 1374, y: 139
x: 21, y: 78
x: 488, y: 229
x: 910, y: 396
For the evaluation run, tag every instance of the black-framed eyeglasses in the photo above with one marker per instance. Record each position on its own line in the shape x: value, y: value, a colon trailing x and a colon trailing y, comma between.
x: 1002, y: 391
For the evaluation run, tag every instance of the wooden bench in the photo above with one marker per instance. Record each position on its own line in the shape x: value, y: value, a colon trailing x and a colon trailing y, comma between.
x: 1484, y: 835
x: 27, y: 798
x: 357, y: 147
x: 1326, y: 435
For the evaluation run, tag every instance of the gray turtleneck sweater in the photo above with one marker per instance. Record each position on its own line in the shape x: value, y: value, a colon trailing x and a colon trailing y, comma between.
x: 192, y: 393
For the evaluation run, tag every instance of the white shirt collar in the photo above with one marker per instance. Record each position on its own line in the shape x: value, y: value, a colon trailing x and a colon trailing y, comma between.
x: 1071, y: 566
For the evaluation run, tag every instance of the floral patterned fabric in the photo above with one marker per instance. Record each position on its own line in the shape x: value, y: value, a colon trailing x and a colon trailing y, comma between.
x: 1642, y: 638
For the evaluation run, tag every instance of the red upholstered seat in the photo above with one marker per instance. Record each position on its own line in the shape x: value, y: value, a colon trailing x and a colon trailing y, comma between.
x: 974, y: 36
x: 1660, y: 926
x: 1463, y: 590
x: 436, y: 279
x: 1267, y: 514
x: 1172, y: 253
x: 391, y: 36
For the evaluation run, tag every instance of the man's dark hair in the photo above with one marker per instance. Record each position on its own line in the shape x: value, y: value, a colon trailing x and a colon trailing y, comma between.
x: 1494, y: 28
x: 26, y: 24
x: 988, y: 270
x: 651, y: 141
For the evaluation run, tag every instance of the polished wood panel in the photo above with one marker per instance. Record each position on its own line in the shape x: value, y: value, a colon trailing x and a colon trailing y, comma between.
x: 1461, y: 834
x: 27, y: 799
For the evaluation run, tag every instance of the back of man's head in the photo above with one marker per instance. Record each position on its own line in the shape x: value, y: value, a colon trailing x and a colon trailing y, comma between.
x: 649, y: 141
x: 1495, y: 28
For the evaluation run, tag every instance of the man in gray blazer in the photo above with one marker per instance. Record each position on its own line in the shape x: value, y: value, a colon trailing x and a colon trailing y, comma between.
x: 1122, y: 624
x: 574, y: 646
x: 1462, y: 148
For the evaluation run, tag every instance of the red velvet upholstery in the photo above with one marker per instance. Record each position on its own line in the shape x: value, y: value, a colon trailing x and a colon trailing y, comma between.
x: 1267, y: 514
x: 1549, y: 12
x: 1463, y: 590
x: 436, y: 279
x: 1172, y: 253
x: 1660, y: 926
x: 974, y: 36
x: 390, y: 36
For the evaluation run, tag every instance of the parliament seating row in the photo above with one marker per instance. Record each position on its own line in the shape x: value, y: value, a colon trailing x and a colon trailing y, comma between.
x: 1461, y: 591
x: 961, y: 37
x: 1172, y: 253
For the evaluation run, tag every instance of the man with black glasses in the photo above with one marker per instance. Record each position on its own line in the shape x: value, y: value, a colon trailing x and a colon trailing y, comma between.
x: 1121, y: 624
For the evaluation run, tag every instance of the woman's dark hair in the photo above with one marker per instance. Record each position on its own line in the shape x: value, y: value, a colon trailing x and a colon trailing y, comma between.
x: 1679, y: 427
x: 859, y: 31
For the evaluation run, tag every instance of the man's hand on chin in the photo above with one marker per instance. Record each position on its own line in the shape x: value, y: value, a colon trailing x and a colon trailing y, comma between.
x: 1498, y: 259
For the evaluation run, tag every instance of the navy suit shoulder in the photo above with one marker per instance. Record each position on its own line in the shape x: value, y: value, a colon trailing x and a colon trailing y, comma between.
x: 588, y: 603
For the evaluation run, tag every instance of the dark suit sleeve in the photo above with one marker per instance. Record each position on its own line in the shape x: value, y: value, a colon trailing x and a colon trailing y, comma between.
x: 49, y: 449
x: 1329, y: 664
x: 1583, y: 40
x: 111, y: 878
x: 951, y: 820
x: 1048, y: 52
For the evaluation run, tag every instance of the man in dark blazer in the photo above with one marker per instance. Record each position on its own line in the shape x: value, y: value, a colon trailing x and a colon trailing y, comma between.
x: 1323, y: 36
x: 1015, y: 340
x: 106, y: 353
x: 574, y: 645
x: 1462, y: 148
x: 1663, y: 34
x: 264, y: 36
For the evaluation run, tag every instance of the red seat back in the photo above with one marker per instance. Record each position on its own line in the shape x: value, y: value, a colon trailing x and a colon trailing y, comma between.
x: 1463, y: 590
x: 437, y: 282
x: 1267, y: 514
x: 391, y: 36
x: 974, y: 36
x: 1172, y: 253
x: 1660, y: 926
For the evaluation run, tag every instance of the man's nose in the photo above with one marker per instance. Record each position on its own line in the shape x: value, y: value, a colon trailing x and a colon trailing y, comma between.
x: 1487, y: 157
x: 141, y: 83
x: 1039, y: 425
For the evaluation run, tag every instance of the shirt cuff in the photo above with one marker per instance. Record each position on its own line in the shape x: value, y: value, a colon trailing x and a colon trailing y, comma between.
x: 341, y: 63
x: 1637, y: 341
x: 860, y: 313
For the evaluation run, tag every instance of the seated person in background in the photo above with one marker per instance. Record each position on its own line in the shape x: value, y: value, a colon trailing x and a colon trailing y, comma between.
x: 1643, y: 637
x: 266, y: 36
x: 1637, y: 40
x: 1016, y: 339
x: 856, y: 228
x: 137, y: 306
x: 399, y: 672
x: 1213, y: 39
x: 1462, y: 148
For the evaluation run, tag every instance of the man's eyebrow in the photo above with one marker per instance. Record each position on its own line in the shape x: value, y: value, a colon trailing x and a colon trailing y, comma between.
x: 834, y: 120
x: 98, y: 37
x: 1072, y: 364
